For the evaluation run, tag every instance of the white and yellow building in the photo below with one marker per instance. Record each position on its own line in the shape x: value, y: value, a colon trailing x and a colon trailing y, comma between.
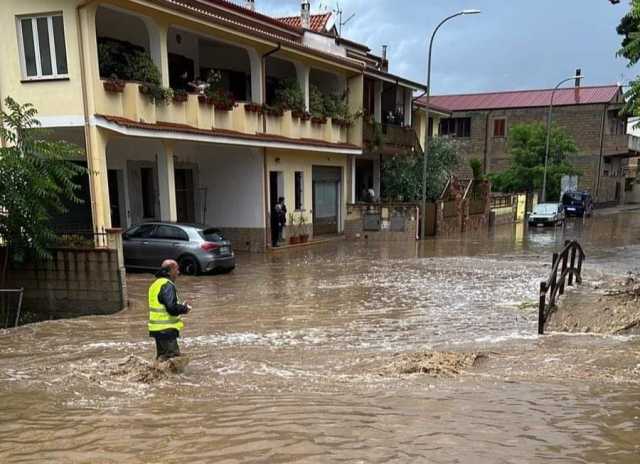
x: 188, y: 161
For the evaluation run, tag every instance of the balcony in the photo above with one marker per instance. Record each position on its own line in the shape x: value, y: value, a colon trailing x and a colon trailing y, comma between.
x: 132, y: 105
x: 616, y: 144
x: 396, y: 139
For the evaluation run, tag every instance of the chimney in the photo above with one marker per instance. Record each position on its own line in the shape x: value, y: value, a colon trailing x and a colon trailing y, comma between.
x: 250, y: 5
x: 305, y: 14
x: 385, y: 62
x: 578, y: 80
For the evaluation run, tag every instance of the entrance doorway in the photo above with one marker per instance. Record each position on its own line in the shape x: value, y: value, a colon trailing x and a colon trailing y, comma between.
x: 114, y: 198
x: 327, y: 183
x: 185, y: 194
x: 364, y: 178
x: 276, y: 187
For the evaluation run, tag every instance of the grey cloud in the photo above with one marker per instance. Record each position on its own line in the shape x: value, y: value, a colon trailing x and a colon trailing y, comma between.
x: 513, y: 44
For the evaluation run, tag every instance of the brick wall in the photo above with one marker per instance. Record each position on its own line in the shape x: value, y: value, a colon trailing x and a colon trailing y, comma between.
x: 583, y: 123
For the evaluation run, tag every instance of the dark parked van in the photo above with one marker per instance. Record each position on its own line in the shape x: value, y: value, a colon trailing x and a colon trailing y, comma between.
x: 577, y: 204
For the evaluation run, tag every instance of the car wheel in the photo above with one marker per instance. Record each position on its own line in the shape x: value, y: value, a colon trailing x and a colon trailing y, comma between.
x: 189, y: 265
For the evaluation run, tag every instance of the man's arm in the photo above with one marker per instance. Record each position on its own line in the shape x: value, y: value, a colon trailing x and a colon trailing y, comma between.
x: 169, y: 299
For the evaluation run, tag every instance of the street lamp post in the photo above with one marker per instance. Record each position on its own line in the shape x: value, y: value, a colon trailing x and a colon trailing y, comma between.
x: 423, y: 233
x: 577, y: 79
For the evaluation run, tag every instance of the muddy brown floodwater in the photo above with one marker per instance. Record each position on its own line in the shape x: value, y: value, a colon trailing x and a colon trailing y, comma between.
x: 291, y: 355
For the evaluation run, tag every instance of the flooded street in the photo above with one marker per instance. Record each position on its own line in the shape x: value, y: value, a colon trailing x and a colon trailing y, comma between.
x: 288, y: 358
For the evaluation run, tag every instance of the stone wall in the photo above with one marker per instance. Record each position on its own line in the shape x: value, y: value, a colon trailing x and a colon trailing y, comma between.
x: 390, y: 218
x: 245, y: 239
x: 74, y: 283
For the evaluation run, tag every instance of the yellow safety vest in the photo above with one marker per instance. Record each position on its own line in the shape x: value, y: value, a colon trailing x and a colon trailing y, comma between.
x: 159, y: 318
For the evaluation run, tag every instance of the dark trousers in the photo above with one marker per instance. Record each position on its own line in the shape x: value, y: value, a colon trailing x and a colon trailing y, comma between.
x: 166, y: 345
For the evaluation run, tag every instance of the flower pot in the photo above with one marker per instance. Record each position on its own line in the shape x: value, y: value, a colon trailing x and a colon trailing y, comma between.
x: 253, y: 108
x: 318, y: 120
x: 114, y: 86
x: 294, y: 240
x: 220, y: 106
x: 204, y: 100
x: 304, y: 238
x: 180, y: 98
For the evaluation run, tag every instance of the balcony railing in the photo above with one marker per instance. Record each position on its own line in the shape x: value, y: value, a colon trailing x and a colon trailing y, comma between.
x: 395, y: 138
x: 132, y: 105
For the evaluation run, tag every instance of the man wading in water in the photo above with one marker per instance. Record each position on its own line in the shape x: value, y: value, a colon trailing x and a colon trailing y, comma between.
x: 165, y: 311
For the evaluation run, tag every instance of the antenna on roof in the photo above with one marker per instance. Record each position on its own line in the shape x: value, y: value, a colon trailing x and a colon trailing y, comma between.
x: 339, y: 12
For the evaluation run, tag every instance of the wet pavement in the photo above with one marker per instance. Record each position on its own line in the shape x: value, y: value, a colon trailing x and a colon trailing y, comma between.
x: 288, y: 358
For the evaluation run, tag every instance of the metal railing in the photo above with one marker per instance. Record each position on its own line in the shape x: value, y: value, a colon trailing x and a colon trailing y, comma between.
x: 70, y: 236
x: 564, y: 269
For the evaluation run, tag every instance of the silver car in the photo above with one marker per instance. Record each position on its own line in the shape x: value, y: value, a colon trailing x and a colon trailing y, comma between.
x: 547, y: 214
x: 197, y: 249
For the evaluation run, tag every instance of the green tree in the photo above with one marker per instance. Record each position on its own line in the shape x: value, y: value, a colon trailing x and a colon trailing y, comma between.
x: 527, y: 146
x: 629, y: 28
x: 38, y: 174
x: 402, y: 173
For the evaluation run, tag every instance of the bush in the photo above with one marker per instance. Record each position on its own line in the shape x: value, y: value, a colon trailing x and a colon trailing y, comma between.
x: 476, y: 167
x: 289, y: 96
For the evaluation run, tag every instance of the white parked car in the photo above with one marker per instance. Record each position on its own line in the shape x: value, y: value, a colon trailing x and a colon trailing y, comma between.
x: 547, y: 214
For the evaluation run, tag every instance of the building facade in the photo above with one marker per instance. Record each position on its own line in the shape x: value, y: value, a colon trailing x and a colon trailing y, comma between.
x: 188, y: 159
x: 480, y: 125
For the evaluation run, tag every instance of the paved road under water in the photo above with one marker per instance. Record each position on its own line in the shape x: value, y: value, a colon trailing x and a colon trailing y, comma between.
x: 287, y: 352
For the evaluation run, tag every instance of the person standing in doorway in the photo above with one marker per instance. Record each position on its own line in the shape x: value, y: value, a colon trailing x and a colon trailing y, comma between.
x: 166, y: 311
x: 283, y: 218
x: 275, y: 224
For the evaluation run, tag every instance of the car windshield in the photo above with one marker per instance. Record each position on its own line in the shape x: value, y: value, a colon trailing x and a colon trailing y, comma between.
x: 212, y: 235
x: 548, y: 208
x: 572, y: 197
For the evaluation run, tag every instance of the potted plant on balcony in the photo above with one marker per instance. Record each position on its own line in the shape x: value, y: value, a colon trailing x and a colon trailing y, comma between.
x: 113, y: 84
x: 253, y: 108
x: 289, y: 96
x: 302, y: 228
x: 294, y: 238
x: 301, y: 115
x: 275, y: 111
x: 180, y: 96
x: 317, y: 106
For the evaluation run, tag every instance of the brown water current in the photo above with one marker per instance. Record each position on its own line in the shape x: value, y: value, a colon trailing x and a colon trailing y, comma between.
x: 290, y: 361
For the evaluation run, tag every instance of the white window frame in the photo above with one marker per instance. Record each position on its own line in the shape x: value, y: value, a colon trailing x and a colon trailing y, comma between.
x: 36, y: 44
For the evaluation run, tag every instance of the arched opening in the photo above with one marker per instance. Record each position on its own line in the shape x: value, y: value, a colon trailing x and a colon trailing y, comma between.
x: 277, y: 71
x: 124, y: 44
x: 192, y: 59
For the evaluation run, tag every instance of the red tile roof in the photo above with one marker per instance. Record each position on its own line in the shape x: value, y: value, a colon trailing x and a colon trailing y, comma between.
x: 525, y: 98
x: 318, y: 22
x: 183, y: 128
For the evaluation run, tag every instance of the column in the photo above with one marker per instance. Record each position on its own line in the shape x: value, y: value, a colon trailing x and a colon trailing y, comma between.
x: 257, y: 65
x: 167, y: 183
x: 408, y: 107
x: 377, y: 102
x: 377, y: 175
x: 303, y: 71
x: 356, y: 102
x: 98, y: 178
x: 158, y: 34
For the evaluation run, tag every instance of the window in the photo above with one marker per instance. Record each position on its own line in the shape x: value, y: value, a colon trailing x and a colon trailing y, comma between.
x: 456, y: 127
x: 170, y: 233
x: 43, y: 51
x: 499, y: 128
x: 143, y: 231
x: 299, y: 191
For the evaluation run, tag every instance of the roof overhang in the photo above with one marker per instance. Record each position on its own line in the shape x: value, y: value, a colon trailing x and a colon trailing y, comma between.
x: 177, y: 132
x: 393, y: 79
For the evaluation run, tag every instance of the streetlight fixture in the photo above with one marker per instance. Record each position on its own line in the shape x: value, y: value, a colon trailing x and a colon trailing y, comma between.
x: 423, y: 233
x: 577, y: 78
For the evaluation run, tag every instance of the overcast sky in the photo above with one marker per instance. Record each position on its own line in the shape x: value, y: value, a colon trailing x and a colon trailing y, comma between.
x: 513, y: 44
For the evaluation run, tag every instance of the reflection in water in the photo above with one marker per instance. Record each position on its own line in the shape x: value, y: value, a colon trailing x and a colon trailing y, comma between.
x: 286, y: 355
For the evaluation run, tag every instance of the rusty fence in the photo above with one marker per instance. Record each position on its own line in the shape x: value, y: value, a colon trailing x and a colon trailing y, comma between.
x: 10, y: 306
x: 566, y: 266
